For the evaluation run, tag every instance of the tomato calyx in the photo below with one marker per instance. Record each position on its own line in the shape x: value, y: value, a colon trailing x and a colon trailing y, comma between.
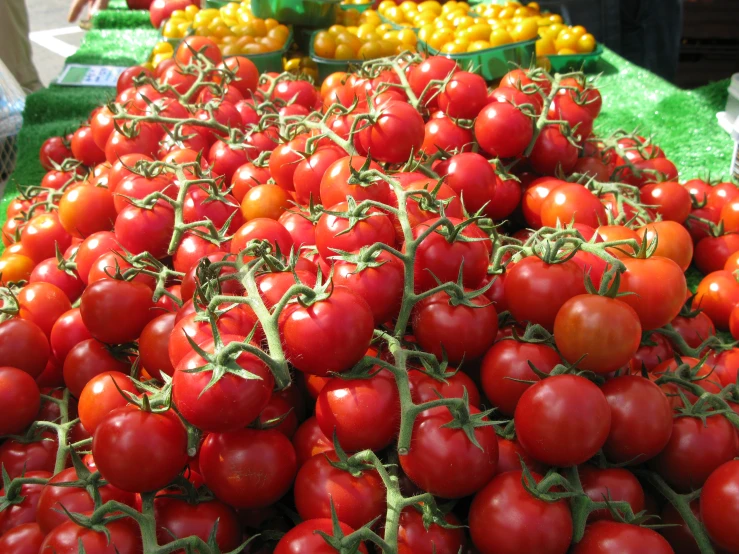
x: 13, y: 488
x: 464, y: 419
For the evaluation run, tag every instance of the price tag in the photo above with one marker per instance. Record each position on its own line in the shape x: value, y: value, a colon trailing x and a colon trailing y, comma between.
x: 75, y: 75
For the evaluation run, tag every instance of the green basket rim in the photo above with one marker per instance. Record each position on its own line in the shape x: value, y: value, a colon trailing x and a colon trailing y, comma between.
x: 436, y: 52
x: 566, y: 57
x: 347, y: 7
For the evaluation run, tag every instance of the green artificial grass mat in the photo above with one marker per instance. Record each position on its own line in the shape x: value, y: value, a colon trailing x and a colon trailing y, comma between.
x: 120, y: 19
x: 122, y: 47
x: 683, y: 122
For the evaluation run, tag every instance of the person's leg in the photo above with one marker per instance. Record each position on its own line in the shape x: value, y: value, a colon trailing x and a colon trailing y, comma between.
x: 15, y: 47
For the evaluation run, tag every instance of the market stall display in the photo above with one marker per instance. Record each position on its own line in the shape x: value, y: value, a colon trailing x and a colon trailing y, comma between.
x: 258, y: 294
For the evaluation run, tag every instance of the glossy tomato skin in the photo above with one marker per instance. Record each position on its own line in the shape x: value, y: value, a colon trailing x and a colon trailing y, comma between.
x: 50, y: 513
x: 303, y: 538
x: 425, y: 388
x: 248, y: 468
x: 717, y: 295
x: 363, y: 413
x: 357, y: 500
x: 146, y: 230
x: 49, y: 272
x: 20, y: 398
x: 461, y: 332
x: 23, y: 345
x: 177, y: 518
x: 43, y: 304
x: 330, y: 335
x: 153, y: 344
x: 438, y: 256
x: 551, y: 432
x: 506, y: 364
x: 25, y: 511
x: 612, y: 484
x: 335, y: 185
x: 102, y: 395
x: 397, y: 132
x: 551, y: 151
x: 337, y: 232
x: 659, y: 289
x: 22, y: 539
x: 635, y: 400
x: 507, y: 519
x: 695, y: 450
x: 87, y: 359
x: 415, y: 538
x: 503, y: 131
x: 719, y: 506
x: 535, y: 291
x: 140, y: 451
x: 572, y: 202
x: 381, y: 286
x: 104, y: 298
x: 444, y: 461
x: 232, y: 402
x: 712, y: 253
x: 123, y: 537
x: 22, y: 458
x: 601, y: 334
x: 610, y: 537
x: 310, y: 441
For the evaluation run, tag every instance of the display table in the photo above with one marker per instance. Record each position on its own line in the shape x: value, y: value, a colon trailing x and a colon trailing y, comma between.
x: 682, y: 122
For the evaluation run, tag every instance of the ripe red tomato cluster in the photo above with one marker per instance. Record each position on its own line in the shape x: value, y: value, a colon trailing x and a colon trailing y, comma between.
x: 235, y: 297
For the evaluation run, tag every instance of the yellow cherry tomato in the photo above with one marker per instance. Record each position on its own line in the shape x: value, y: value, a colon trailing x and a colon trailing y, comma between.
x: 345, y: 52
x: 370, y: 50
x: 191, y: 10
x: 566, y: 52
x: 578, y: 30
x: 440, y: 38
x: 453, y: 48
x: 406, y: 36
x: 566, y: 39
x: 336, y: 29
x: 425, y: 32
x: 479, y: 31
x: 527, y: 29
x: 586, y: 43
x: 499, y: 37
x: 324, y: 45
x: 545, y: 47
x: 366, y: 31
x: 534, y: 6
x: 478, y: 45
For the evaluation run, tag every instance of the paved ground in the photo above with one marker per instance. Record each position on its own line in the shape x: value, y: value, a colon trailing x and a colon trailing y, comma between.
x: 48, y: 55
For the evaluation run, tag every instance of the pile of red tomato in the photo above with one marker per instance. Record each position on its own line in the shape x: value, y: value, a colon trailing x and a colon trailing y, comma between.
x: 402, y: 313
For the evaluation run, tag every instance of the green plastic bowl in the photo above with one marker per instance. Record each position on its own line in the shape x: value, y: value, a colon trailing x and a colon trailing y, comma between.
x: 576, y: 62
x: 327, y: 66
x: 359, y: 7
x: 306, y: 13
x: 491, y: 63
x: 269, y: 61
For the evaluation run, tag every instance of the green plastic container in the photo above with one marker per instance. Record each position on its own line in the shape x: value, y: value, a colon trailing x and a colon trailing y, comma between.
x: 359, y: 7
x: 491, y: 63
x: 269, y: 61
x: 217, y: 4
x: 577, y: 62
x: 306, y: 13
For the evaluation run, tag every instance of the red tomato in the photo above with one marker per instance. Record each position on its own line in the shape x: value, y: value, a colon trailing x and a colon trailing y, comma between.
x: 230, y: 403
x: 20, y: 458
x: 503, y: 131
x: 178, y: 518
x: 534, y: 197
x: 263, y: 229
x: 248, y: 468
x: 153, y: 345
x: 535, y: 290
x: 362, y: 413
x: 54, y: 150
x: 25, y: 510
x: 304, y: 539
x: 443, y: 134
x: 506, y: 519
x: 415, y: 537
x: 572, y: 202
x: 576, y: 112
x: 442, y: 255
x: 42, y: 304
x: 42, y: 235
x: 433, y: 68
x: 245, y: 72
x: 20, y: 398
x: 598, y: 333
x: 717, y: 295
x: 104, y: 298
x: 48, y: 272
x: 472, y: 179
x: 425, y: 388
x: 636, y: 401
x: 84, y: 148
x: 551, y: 151
x: 103, y: 394
x: 146, y: 230
x: 552, y: 432
x: 140, y: 451
x: 610, y: 537
x: 122, y: 537
x: 55, y: 498
x: 23, y: 345
x: 611, y: 484
x: 204, y: 47
x: 310, y: 441
x: 673, y: 241
x: 458, y: 331
x: 506, y: 365
x: 335, y: 185
x: 22, y: 539
x: 719, y: 506
x: 331, y: 334
x: 672, y: 200
x: 338, y: 232
x: 357, y: 499
x: 712, y: 253
x: 444, y: 461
